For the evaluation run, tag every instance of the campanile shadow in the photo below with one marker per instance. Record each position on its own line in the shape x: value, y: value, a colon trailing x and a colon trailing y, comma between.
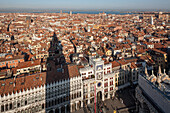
x: 57, y: 80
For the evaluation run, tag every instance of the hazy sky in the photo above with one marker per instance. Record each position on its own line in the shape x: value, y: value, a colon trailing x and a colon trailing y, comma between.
x: 87, y: 4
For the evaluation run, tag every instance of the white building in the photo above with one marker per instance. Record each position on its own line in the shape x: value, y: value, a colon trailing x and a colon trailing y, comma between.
x: 23, y: 94
x: 153, y: 93
x: 98, y: 76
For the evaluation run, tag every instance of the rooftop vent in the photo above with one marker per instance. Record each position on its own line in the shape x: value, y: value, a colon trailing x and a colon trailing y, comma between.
x: 11, y: 83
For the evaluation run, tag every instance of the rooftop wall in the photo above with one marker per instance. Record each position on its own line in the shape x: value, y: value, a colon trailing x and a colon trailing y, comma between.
x: 160, y: 100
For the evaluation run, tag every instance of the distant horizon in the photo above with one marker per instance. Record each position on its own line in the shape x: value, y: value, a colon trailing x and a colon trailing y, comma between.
x: 86, y: 5
x: 65, y: 9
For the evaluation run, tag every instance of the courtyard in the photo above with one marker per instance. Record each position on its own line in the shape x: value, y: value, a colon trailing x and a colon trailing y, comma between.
x: 123, y: 102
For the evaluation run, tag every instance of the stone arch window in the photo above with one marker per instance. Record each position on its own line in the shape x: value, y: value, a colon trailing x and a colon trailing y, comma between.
x: 36, y: 109
x: 49, y: 103
x: 26, y: 111
x: 22, y: 111
x: 72, y: 96
x: 42, y: 106
x: 39, y: 107
x: 14, y: 104
x: 18, y: 104
x: 55, y: 102
x: 33, y: 110
x: 36, y: 98
x: 68, y: 107
x: 61, y: 99
x: 25, y: 101
x: 22, y: 102
x: 2, y: 108
x: 33, y: 99
x: 29, y: 100
x: 75, y: 95
x: 6, y: 107
x: 10, y: 106
x: 52, y: 102
x: 40, y: 97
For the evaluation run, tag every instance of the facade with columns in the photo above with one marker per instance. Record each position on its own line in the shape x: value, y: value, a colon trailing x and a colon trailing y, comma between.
x: 35, y: 94
x: 32, y: 100
x: 19, y: 95
x: 64, y: 88
x: 152, y: 93
x: 64, y: 95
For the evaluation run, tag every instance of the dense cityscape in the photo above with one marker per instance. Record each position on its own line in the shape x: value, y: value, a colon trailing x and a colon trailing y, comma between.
x: 84, y: 63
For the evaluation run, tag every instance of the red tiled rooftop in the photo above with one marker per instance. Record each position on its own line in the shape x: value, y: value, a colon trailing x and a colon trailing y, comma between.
x: 21, y: 83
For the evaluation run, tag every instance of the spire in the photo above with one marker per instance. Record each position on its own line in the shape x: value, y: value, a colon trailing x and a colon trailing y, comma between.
x: 159, y: 79
x: 164, y: 72
x: 146, y: 71
x: 159, y: 71
x: 152, y: 72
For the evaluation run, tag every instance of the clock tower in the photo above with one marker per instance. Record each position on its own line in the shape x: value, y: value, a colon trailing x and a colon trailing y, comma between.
x: 98, y: 66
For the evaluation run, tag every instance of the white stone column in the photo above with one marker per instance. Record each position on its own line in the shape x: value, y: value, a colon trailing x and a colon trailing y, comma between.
x: 13, y: 104
x: 103, y: 95
x: 66, y: 108
x: 108, y: 96
x: 76, y: 105
x: 8, y: 106
x: 0, y: 107
x: 4, y: 107
x: 114, y: 93
x: 59, y: 109
x: 88, y: 101
x: 81, y: 103
x: 88, y: 89
x: 53, y: 110
x: 71, y: 107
